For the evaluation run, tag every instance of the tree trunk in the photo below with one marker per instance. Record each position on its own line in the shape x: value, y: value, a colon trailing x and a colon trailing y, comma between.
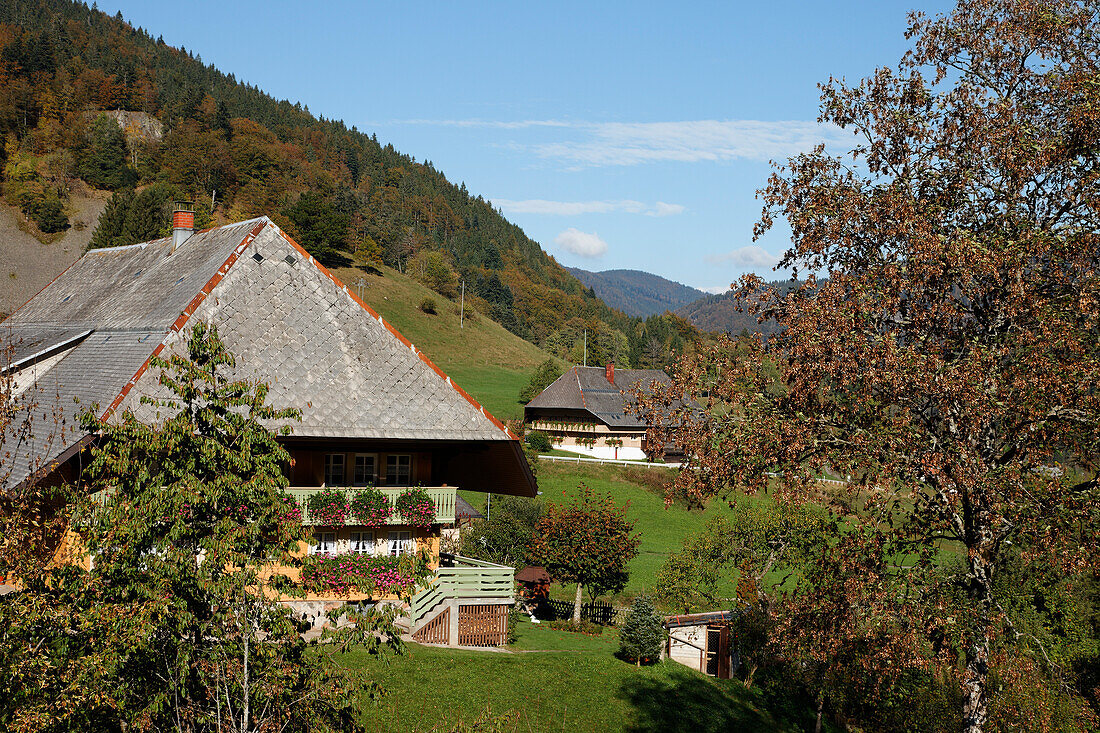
x: 577, y: 606
x: 976, y: 703
x: 820, y: 708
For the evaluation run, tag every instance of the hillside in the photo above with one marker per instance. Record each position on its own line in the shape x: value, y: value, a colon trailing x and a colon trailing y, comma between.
x: 718, y: 314
x: 86, y: 100
x: 28, y: 263
x: 636, y: 293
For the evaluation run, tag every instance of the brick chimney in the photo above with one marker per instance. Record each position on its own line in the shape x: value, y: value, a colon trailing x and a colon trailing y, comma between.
x: 610, y: 372
x: 183, y: 223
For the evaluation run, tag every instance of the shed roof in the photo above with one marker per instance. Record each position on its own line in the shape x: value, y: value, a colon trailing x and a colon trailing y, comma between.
x: 286, y: 319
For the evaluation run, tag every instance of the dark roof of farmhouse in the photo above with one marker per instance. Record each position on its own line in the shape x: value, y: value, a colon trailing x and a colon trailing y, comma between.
x: 86, y: 339
x: 587, y: 388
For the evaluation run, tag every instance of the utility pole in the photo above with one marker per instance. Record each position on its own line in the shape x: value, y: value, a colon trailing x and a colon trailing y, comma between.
x: 214, y: 191
x: 586, y: 347
x: 359, y: 287
x: 462, y: 307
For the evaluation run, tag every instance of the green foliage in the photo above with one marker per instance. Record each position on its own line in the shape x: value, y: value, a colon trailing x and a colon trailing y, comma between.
x: 642, y: 635
x: 505, y: 536
x: 576, y: 627
x: 104, y: 161
x: 319, y: 227
x: 371, y: 507
x: 539, y: 441
x: 430, y: 268
x: 174, y: 622
x: 131, y: 217
x: 587, y: 542
x: 48, y: 214
x: 755, y: 542
x: 545, y: 375
x: 416, y: 507
x: 427, y: 305
x: 328, y: 507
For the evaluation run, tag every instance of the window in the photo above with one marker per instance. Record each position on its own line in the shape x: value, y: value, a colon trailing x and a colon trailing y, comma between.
x: 401, y: 543
x: 324, y: 543
x: 398, y: 469
x: 334, y: 469
x: 362, y: 543
x: 364, y: 469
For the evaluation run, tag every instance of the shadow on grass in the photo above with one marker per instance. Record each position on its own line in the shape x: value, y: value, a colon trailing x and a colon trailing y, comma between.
x: 684, y: 701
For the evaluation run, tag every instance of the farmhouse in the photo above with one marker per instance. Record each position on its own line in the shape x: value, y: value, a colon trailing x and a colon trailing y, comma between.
x: 586, y: 410
x: 375, y: 411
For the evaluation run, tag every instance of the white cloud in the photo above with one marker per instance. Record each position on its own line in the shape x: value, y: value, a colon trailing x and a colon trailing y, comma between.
x: 581, y: 243
x: 749, y: 256
x: 663, y: 209
x: 576, y: 208
x: 594, y: 144
x: 633, y: 143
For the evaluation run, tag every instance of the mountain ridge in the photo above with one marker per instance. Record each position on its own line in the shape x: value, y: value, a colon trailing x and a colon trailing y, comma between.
x: 636, y: 292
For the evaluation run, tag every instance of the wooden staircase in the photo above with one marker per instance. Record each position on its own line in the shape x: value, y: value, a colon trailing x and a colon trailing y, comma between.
x: 465, y: 605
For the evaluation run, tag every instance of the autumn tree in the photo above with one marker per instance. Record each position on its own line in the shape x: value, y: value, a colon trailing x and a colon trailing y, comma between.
x: 949, y: 362
x: 588, y: 542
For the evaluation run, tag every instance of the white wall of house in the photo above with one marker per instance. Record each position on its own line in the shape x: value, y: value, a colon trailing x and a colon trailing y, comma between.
x: 625, y: 453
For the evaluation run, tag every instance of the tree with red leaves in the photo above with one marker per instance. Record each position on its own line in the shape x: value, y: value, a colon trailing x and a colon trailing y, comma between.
x: 587, y: 542
x: 941, y: 347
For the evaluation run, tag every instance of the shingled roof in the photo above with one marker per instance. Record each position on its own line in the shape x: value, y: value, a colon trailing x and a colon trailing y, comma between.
x: 587, y: 388
x: 87, y: 338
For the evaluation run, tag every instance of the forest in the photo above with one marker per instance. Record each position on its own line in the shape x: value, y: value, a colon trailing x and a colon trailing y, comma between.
x: 88, y: 102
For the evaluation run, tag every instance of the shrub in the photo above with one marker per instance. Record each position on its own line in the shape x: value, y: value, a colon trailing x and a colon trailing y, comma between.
x: 584, y: 627
x: 428, y: 306
x: 328, y: 507
x: 371, y: 507
x: 416, y: 507
x: 642, y: 635
x: 514, y: 615
x: 539, y: 440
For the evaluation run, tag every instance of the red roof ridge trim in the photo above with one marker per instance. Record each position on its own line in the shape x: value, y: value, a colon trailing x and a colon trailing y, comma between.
x: 325, y: 271
x: 185, y: 316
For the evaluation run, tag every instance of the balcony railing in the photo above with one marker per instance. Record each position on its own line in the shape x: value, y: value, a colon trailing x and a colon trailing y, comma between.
x: 443, y: 496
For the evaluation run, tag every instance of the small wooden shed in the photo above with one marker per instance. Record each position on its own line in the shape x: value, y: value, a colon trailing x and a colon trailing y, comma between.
x: 703, y: 642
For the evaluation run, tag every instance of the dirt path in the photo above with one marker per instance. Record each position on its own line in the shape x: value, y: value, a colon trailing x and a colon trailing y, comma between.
x: 27, y: 265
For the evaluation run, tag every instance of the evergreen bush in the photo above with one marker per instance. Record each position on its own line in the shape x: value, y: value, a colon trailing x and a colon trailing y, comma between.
x: 539, y: 440
x: 642, y: 635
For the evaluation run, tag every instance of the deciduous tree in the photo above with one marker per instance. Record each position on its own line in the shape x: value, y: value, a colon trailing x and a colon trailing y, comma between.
x: 587, y: 542
x: 949, y: 362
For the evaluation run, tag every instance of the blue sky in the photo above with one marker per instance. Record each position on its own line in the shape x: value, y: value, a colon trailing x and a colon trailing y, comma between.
x: 618, y: 135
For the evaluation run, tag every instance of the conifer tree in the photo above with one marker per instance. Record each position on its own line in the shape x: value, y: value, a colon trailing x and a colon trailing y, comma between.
x: 642, y: 635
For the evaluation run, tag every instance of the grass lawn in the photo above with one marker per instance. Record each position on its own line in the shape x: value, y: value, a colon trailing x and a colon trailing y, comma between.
x: 481, y: 356
x: 575, y: 684
x: 662, y: 531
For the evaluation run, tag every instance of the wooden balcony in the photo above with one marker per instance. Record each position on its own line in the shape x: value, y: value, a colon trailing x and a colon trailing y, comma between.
x: 443, y: 496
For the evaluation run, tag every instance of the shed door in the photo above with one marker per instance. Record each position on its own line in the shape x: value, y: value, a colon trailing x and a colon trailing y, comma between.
x: 718, y: 651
